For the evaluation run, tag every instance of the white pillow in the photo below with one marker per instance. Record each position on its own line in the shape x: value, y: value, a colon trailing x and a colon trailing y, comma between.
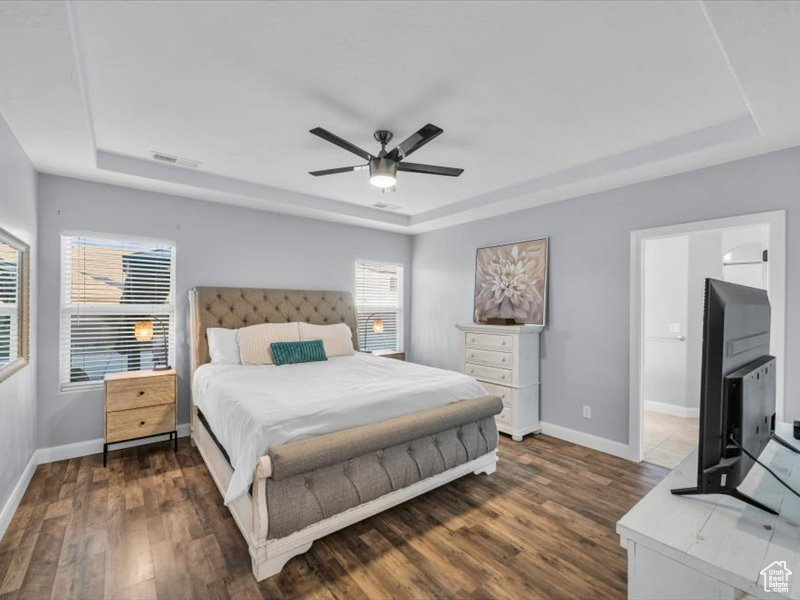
x: 223, y: 345
x: 337, y: 339
x: 254, y: 341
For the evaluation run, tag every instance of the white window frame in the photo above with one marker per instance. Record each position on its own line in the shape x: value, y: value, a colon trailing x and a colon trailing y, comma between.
x: 67, y: 309
x: 400, y: 310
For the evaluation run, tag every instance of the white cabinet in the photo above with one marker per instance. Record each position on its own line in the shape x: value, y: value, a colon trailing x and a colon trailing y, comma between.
x: 505, y: 359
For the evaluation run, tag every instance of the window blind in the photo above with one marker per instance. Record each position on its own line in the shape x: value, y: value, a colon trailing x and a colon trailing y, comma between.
x: 108, y: 284
x: 9, y: 292
x: 379, y: 298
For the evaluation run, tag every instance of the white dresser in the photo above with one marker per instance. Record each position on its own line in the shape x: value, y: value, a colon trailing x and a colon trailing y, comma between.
x: 505, y: 359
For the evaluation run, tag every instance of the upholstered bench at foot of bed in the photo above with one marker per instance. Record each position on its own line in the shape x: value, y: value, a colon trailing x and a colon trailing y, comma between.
x: 315, y: 479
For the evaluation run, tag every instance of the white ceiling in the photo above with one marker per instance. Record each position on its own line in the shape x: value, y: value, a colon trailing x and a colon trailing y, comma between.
x: 539, y: 101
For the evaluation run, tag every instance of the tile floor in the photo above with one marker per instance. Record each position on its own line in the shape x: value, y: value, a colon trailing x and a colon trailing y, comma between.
x: 668, y: 439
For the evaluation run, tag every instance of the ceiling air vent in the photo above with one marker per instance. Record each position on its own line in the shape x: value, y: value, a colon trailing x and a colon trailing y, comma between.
x: 175, y: 160
x: 384, y: 206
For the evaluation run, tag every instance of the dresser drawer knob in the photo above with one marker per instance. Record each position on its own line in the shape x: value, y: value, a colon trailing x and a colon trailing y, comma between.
x: 472, y: 355
x: 141, y: 423
x: 503, y: 343
x: 503, y: 359
x: 141, y: 392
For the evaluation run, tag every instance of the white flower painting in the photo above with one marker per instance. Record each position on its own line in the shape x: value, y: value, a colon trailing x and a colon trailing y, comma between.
x: 511, y: 282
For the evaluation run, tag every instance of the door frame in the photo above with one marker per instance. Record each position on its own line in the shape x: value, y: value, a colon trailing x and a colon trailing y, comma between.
x: 776, y: 222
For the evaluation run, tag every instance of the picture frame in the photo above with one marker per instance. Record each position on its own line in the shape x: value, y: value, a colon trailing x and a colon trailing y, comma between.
x: 511, y: 283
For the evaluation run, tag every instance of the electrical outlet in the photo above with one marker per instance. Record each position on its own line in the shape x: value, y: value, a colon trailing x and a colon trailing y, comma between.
x: 587, y: 412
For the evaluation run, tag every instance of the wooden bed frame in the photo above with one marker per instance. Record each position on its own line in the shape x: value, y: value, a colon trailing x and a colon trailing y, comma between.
x: 250, y: 510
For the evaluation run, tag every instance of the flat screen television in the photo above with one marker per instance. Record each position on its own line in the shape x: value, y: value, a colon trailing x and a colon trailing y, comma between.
x: 737, y: 396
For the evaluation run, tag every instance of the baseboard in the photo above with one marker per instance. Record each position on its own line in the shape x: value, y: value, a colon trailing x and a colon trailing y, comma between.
x: 671, y: 409
x: 16, y: 494
x: 88, y: 447
x: 587, y: 439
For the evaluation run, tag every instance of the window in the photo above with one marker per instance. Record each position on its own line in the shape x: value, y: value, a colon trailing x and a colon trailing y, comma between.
x: 379, y: 303
x: 108, y: 285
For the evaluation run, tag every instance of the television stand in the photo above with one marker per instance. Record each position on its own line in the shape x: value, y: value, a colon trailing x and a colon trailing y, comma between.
x: 717, y: 546
x: 732, y: 493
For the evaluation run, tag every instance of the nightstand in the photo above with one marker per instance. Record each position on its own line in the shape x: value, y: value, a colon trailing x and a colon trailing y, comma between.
x: 140, y: 404
x: 390, y: 354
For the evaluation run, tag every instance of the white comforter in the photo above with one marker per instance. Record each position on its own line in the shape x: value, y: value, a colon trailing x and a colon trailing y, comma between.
x: 252, y: 408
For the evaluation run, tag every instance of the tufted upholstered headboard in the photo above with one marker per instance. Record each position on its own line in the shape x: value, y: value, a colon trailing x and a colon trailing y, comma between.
x: 239, y: 307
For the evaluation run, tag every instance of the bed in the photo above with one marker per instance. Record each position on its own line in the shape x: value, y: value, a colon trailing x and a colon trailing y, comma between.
x: 301, y: 451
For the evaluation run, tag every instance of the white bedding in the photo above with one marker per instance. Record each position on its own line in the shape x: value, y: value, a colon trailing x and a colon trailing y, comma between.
x: 251, y: 408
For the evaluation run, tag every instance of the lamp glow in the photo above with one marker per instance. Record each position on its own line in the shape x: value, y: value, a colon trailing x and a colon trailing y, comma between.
x: 382, y: 172
x: 377, y: 326
x: 382, y: 181
x: 143, y: 331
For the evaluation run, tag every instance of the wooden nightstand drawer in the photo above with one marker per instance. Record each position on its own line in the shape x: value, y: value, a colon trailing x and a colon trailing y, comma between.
x: 390, y: 354
x: 126, y: 394
x: 139, y: 422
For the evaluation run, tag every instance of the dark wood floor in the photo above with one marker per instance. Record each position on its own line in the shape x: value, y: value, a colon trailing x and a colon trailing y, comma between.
x: 153, y: 525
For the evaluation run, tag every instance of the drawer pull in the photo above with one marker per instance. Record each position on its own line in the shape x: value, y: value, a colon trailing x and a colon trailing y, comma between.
x: 503, y: 359
x: 141, y: 423
x: 503, y: 343
x: 472, y: 355
x: 141, y: 392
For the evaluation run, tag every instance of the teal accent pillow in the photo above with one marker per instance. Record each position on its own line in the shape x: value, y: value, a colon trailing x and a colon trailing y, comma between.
x: 287, y: 353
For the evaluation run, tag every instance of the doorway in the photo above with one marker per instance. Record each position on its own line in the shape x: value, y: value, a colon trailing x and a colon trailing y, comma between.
x: 669, y: 266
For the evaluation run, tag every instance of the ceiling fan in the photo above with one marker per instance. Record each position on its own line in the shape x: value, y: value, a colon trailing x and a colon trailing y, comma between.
x: 383, y: 167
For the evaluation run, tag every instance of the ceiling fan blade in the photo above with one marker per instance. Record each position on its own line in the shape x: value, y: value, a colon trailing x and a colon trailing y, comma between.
x: 429, y: 169
x: 335, y: 139
x: 415, y: 141
x: 337, y: 170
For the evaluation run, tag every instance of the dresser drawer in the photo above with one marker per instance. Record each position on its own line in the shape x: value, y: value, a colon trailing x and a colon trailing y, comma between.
x: 488, y: 373
x: 505, y: 417
x: 139, y: 422
x: 491, y: 358
x: 492, y: 341
x: 125, y: 394
x: 507, y: 395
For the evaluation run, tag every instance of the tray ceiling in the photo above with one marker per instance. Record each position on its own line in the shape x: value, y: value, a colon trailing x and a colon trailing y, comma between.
x: 539, y: 101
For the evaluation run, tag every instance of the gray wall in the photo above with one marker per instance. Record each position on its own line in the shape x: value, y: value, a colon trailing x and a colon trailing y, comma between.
x: 705, y: 260
x: 585, y: 347
x: 18, y: 392
x: 216, y: 245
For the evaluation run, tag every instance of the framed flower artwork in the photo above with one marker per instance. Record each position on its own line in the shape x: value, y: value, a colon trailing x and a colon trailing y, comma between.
x: 511, y: 283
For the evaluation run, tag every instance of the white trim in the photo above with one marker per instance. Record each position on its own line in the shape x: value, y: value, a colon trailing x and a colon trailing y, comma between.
x: 16, y: 494
x: 776, y: 221
x: 117, y: 237
x: 89, y: 447
x: 671, y: 409
x: 586, y: 439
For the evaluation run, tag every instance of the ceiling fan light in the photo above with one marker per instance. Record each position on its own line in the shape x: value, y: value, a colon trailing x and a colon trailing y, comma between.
x: 382, y: 172
x: 382, y: 181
